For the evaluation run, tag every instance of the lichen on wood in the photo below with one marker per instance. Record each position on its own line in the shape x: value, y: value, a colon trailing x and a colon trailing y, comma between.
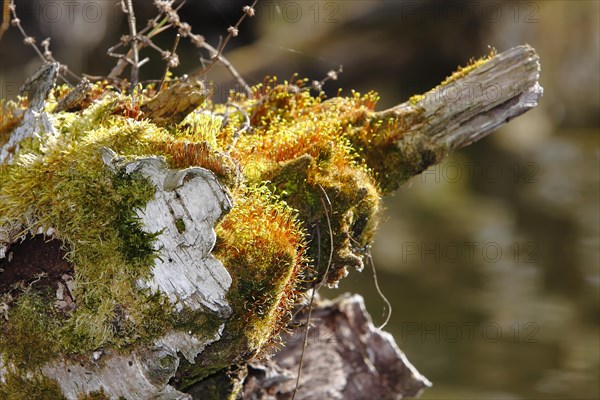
x: 189, y: 229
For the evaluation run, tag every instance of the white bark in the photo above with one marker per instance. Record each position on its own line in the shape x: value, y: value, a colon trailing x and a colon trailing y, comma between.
x: 184, y: 271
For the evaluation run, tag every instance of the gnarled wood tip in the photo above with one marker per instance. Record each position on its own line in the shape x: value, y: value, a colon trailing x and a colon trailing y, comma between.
x: 476, y: 100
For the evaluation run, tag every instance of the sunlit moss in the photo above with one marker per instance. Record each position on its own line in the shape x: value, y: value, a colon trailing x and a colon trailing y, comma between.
x: 306, y: 174
x: 262, y: 244
x: 11, y: 114
x: 459, y: 73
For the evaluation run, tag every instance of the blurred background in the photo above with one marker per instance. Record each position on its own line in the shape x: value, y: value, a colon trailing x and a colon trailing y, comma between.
x: 491, y: 260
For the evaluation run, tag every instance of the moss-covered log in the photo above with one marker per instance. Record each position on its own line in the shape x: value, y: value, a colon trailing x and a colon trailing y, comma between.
x: 148, y: 244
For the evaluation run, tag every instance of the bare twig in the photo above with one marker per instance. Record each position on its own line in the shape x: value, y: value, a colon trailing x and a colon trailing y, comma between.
x: 28, y: 40
x: 331, y: 76
x: 5, y: 18
x: 380, y: 292
x: 135, y: 65
x: 214, y: 53
x: 315, y: 289
x: 233, y: 31
x: 171, y: 61
x: 122, y: 63
x: 45, y: 56
x: 168, y: 18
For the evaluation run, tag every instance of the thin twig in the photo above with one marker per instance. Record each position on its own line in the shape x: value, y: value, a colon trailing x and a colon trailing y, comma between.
x: 304, y: 343
x: 332, y: 75
x: 232, y: 32
x: 46, y: 56
x: 135, y: 65
x: 5, y: 18
x: 122, y: 63
x: 236, y: 75
x: 169, y: 60
x: 28, y: 40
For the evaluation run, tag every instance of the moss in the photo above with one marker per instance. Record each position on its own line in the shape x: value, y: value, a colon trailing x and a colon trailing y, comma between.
x: 261, y: 244
x: 306, y: 181
x: 19, y: 387
x: 30, y: 339
x: 463, y: 71
x: 459, y: 73
x: 223, y: 385
x: 11, y: 115
x: 61, y: 182
x: 180, y: 225
x: 96, y: 395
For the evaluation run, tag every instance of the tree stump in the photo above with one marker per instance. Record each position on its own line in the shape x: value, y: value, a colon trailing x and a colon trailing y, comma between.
x: 156, y: 248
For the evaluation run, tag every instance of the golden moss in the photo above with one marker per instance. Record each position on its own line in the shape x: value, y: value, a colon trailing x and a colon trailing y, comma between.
x: 459, y: 73
x: 262, y: 245
x: 306, y: 176
x: 11, y: 114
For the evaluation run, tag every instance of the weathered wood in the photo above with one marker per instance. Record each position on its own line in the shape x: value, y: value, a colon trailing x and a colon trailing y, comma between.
x: 172, y: 105
x: 75, y: 98
x: 35, y: 120
x: 472, y: 105
x: 346, y: 357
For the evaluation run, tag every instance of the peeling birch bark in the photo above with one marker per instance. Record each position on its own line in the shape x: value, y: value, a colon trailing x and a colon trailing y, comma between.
x: 186, y: 206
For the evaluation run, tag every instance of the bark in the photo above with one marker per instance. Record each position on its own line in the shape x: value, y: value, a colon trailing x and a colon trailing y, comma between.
x: 346, y: 357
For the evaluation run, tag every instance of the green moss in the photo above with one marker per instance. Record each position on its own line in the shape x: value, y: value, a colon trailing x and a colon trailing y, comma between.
x: 180, y: 225
x: 29, y: 340
x: 96, y: 395
x: 38, y: 387
x: 62, y: 183
x: 223, y: 385
x: 261, y: 244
